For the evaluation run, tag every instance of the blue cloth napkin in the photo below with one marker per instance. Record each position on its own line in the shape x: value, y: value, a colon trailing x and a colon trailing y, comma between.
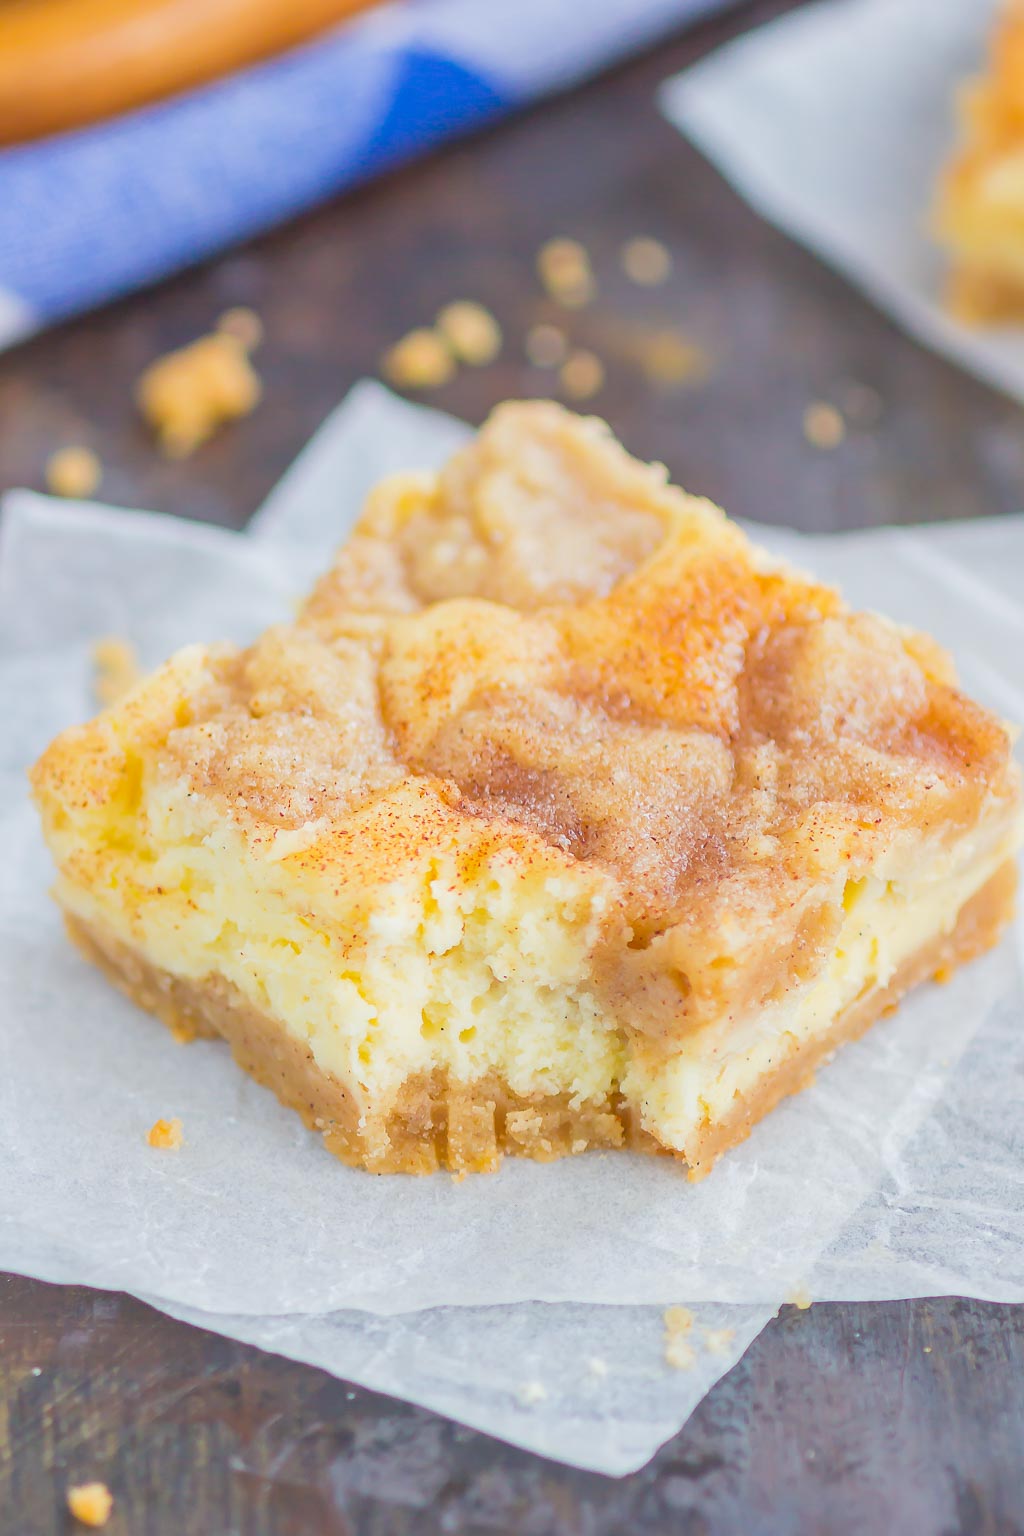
x: 88, y: 215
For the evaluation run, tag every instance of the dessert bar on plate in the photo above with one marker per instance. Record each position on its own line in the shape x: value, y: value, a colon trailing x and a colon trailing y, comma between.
x: 980, y: 212
x: 561, y: 817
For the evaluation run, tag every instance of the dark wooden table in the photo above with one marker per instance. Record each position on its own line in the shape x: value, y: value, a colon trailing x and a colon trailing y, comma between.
x: 852, y: 1419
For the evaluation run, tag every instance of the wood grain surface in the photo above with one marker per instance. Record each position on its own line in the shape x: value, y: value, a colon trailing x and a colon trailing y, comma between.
x: 856, y: 1419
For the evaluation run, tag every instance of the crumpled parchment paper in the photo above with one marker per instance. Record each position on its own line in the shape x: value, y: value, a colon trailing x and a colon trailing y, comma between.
x: 897, y: 1174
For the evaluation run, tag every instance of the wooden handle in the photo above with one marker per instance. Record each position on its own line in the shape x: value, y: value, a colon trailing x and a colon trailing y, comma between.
x: 68, y: 62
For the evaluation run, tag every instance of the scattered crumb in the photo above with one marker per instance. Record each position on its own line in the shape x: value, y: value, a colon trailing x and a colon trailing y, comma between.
x: 581, y: 375
x: 646, y: 261
x: 564, y: 269
x: 186, y: 395
x: 73, y: 471
x: 244, y: 324
x: 459, y: 1176
x: 668, y: 358
x: 862, y: 404
x: 91, y: 1503
x: 183, y: 1033
x: 927, y: 1349
x: 421, y: 360
x: 801, y: 1298
x: 546, y: 346
x: 597, y: 1367
x: 678, y: 1328
x: 166, y: 1134
x: 471, y: 331
x: 717, y: 1340
x: 532, y: 1392
x: 37, y: 1370
x: 823, y: 425
x: 116, y: 669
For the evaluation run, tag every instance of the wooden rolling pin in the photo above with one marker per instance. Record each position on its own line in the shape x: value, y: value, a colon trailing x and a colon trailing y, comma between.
x: 68, y: 62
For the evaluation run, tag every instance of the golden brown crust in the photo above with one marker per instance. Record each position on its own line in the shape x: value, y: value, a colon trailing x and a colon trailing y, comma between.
x: 469, y: 1126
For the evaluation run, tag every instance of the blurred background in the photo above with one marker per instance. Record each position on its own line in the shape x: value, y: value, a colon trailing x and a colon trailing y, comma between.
x: 342, y: 171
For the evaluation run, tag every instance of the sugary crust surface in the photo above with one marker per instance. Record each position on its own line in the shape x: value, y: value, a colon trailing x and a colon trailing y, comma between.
x: 468, y: 1126
x: 547, y: 648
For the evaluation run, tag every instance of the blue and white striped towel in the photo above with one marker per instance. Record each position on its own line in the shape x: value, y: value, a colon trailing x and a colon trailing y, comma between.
x: 88, y: 215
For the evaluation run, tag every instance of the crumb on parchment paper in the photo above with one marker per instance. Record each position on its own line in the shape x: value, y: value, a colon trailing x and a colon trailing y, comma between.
x: 187, y: 394
x: 678, y: 1338
x: 166, y: 1135
x: 115, y: 669
x: 531, y: 1393
x: 91, y: 1503
x: 800, y: 1298
x: 718, y: 1340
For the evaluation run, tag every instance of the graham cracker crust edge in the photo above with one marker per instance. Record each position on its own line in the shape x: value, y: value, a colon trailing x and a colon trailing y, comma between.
x: 467, y: 1127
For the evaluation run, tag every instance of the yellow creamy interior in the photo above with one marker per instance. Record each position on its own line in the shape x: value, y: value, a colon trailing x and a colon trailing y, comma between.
x: 491, y: 974
x: 887, y: 921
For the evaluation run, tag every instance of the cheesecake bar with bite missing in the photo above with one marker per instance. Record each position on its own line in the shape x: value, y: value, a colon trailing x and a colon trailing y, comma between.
x: 562, y: 816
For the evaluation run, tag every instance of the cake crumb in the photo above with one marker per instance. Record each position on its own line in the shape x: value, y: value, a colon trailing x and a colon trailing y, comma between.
x: 564, y: 269
x: 73, y: 471
x: 801, y: 1298
x: 646, y: 261
x: 116, y: 669
x: 927, y: 1349
x: 597, y: 1367
x: 668, y: 358
x: 546, y: 346
x: 471, y: 331
x: 678, y: 1328
x: 718, y: 1340
x: 244, y: 324
x: 421, y: 360
x: 532, y: 1392
x: 582, y: 374
x: 91, y: 1503
x: 166, y: 1134
x: 186, y: 395
x: 823, y: 425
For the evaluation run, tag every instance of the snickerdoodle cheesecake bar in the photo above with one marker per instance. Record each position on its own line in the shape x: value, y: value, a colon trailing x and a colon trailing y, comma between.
x: 561, y: 817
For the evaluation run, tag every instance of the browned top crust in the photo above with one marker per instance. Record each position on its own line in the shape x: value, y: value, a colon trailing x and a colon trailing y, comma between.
x: 551, y: 646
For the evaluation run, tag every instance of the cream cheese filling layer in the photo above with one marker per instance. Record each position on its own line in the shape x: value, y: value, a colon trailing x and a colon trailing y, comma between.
x: 493, y: 975
x: 886, y: 923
